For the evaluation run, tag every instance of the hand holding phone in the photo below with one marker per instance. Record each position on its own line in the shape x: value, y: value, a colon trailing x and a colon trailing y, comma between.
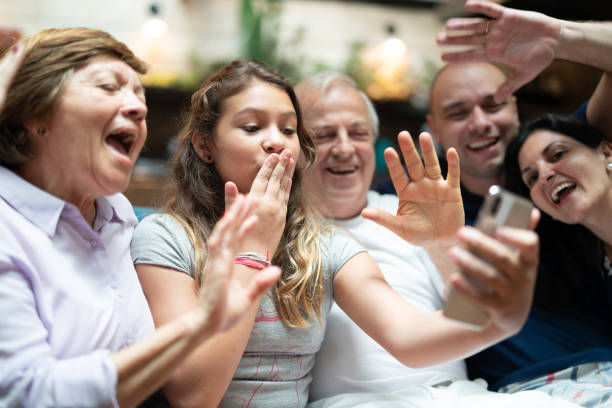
x: 500, y: 207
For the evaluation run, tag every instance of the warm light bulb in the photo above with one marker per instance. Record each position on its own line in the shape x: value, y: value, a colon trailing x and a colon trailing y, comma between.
x: 394, y: 47
x: 154, y: 27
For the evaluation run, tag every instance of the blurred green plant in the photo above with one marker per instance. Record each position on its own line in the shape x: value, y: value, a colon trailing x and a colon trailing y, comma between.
x: 259, y: 27
x: 259, y: 39
x: 354, y: 67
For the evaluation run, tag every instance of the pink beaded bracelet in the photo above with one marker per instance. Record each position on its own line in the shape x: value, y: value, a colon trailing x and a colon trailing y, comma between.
x: 248, y: 262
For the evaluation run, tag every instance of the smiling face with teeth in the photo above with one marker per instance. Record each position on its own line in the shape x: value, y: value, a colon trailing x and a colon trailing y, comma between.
x: 93, y: 135
x: 340, y: 179
x: 566, y: 179
x: 465, y: 116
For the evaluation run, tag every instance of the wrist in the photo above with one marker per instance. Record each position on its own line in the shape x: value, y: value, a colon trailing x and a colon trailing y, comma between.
x: 494, y: 332
x: 259, y: 248
x: 253, y: 259
x: 573, y: 43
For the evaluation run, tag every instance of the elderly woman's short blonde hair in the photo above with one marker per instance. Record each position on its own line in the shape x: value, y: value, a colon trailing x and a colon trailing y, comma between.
x: 50, y: 59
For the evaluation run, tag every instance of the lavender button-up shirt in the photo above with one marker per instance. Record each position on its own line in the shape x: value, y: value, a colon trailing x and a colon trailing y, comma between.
x: 69, y: 295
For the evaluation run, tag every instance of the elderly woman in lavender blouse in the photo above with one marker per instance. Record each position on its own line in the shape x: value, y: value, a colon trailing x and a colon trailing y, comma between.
x: 75, y: 329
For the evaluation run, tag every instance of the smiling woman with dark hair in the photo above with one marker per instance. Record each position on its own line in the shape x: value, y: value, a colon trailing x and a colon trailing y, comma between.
x: 75, y: 329
x: 565, y: 167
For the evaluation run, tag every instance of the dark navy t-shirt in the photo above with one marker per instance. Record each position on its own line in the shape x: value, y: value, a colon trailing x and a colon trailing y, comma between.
x: 548, y: 342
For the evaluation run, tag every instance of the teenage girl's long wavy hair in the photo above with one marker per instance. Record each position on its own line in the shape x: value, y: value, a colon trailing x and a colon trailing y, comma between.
x: 196, y: 193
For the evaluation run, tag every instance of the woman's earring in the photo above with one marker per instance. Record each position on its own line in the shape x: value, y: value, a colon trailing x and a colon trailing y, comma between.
x: 609, y: 166
x: 208, y: 159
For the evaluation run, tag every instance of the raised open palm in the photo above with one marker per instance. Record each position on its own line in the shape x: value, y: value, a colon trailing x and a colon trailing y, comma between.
x: 430, y: 207
x: 522, y: 40
x: 225, y: 299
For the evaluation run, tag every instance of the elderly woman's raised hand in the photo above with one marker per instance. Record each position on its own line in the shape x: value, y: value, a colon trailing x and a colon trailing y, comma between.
x: 430, y: 207
x: 269, y: 194
x: 226, y: 300
x: 522, y: 40
x: 8, y: 68
x: 499, y: 273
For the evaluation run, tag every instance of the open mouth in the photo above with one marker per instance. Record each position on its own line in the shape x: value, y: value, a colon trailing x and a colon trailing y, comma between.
x: 341, y: 171
x: 483, y: 144
x: 562, y: 191
x: 121, y: 141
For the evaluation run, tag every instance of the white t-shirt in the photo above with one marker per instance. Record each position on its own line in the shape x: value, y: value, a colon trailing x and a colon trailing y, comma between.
x: 349, y: 360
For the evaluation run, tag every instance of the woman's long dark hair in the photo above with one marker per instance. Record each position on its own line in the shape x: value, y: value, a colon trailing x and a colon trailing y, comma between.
x: 569, y: 278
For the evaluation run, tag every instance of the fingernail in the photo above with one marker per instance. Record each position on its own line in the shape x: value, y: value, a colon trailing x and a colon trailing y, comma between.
x: 467, y: 233
x: 15, y: 48
x: 223, y: 215
x: 455, y: 252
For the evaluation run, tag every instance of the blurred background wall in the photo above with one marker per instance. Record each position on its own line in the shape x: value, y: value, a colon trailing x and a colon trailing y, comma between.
x: 387, y: 46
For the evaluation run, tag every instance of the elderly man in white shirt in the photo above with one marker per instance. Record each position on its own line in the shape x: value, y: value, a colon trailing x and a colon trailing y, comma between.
x: 352, y: 369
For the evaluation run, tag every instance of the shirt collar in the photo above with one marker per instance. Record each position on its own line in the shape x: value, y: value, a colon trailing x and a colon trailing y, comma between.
x: 39, y: 207
x: 105, y: 213
x: 43, y: 209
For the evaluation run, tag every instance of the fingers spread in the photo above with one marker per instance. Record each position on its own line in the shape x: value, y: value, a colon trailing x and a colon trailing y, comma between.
x: 476, y: 25
x: 453, y: 175
x: 478, y: 38
x: 487, y: 8
x: 469, y: 55
x: 379, y: 216
x: 398, y: 175
x: 432, y: 165
x: 411, y: 156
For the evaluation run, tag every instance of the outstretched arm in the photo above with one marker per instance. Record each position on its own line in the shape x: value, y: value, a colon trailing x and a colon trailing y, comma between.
x: 598, y: 108
x: 145, y: 366
x: 525, y: 41
x: 419, y: 339
x: 430, y: 207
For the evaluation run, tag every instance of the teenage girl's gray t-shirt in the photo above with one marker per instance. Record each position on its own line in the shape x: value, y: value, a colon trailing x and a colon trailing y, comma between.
x: 275, y: 368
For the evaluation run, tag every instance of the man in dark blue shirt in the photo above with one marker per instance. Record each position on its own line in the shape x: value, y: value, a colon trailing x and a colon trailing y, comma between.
x: 474, y: 111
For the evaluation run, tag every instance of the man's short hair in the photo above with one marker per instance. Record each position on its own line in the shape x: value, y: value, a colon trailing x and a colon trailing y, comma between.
x: 323, y: 81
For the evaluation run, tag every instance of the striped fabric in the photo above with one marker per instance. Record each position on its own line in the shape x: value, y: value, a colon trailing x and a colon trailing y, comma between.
x: 588, y: 385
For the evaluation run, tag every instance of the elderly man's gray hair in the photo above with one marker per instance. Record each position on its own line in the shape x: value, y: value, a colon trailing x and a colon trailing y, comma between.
x: 323, y: 80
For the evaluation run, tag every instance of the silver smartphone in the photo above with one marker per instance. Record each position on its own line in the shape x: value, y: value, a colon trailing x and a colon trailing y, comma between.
x: 500, y: 207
